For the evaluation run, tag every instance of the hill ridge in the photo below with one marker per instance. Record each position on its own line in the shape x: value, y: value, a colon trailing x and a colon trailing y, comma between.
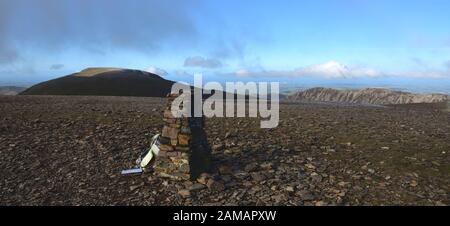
x: 379, y: 96
x: 104, y: 82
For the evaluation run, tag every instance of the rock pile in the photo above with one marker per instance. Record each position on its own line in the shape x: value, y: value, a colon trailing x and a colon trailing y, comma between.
x: 181, y: 156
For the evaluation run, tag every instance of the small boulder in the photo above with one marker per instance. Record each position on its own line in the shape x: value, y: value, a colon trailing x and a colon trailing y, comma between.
x: 184, y: 193
x: 225, y: 170
x: 215, y: 185
x: 251, y: 167
x: 197, y: 187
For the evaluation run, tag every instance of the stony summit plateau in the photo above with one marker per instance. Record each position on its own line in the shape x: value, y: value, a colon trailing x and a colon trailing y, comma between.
x: 69, y: 150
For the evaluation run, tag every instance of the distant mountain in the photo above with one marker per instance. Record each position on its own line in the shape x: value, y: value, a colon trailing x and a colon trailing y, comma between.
x: 104, y: 82
x: 365, y: 96
x: 11, y: 90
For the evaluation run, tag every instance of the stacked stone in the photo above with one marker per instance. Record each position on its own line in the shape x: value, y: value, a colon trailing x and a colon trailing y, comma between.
x: 173, y: 160
x: 184, y: 149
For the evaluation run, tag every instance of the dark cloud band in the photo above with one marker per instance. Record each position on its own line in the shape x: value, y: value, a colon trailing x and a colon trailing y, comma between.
x: 52, y: 25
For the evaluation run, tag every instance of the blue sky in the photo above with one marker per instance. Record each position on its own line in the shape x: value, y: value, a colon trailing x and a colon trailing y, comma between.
x: 291, y: 41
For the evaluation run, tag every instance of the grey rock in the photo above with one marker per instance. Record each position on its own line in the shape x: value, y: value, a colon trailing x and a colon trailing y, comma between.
x: 257, y: 176
x: 305, y: 195
x: 184, y: 193
x: 215, y: 185
x: 251, y: 167
x: 197, y: 186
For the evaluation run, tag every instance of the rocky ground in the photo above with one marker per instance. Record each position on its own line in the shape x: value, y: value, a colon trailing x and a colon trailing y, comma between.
x: 70, y: 151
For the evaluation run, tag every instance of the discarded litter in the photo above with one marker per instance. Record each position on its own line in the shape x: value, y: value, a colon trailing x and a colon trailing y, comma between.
x: 132, y: 171
x: 147, y: 158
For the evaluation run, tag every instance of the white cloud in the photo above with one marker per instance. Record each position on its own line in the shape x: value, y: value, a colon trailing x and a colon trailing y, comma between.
x: 424, y: 74
x: 334, y: 69
x: 56, y: 66
x: 243, y: 72
x: 157, y: 71
x: 7, y: 54
x: 183, y: 73
x: 330, y: 69
x: 198, y: 61
x: 447, y: 65
x: 424, y: 69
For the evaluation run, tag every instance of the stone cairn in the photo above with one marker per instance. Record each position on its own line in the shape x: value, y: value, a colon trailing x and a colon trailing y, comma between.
x: 184, y: 150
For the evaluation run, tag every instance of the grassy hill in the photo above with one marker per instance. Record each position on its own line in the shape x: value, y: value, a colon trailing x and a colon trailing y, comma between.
x: 104, y: 82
